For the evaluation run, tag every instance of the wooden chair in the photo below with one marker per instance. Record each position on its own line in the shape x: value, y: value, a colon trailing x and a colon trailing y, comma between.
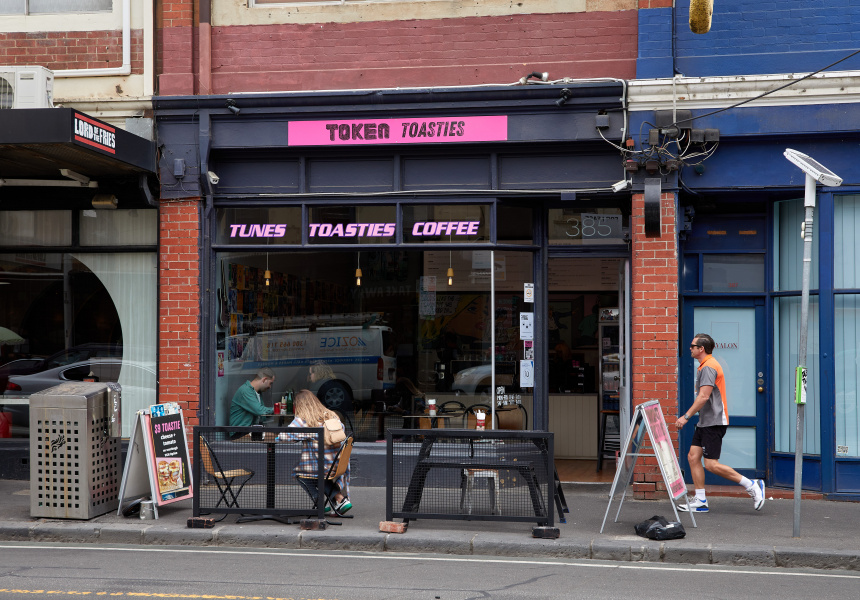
x: 223, y: 479
x: 337, y: 469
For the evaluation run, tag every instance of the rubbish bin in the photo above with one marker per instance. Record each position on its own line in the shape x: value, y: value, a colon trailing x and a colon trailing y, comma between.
x: 75, y: 431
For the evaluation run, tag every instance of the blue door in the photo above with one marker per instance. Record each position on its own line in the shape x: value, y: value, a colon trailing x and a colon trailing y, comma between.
x: 737, y: 326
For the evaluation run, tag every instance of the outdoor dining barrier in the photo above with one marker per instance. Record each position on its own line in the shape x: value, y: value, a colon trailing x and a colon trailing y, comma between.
x: 470, y: 475
x: 250, y: 471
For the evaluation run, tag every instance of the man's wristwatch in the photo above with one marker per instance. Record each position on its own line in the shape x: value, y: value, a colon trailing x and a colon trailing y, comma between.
x: 686, y: 417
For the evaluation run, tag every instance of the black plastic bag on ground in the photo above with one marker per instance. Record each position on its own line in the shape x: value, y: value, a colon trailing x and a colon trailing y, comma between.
x: 658, y: 528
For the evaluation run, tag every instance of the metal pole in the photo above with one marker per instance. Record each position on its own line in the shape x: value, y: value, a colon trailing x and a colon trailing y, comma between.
x: 809, y: 207
x: 492, y: 339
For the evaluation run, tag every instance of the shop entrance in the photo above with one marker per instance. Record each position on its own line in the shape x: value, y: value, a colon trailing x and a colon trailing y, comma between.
x: 585, y: 322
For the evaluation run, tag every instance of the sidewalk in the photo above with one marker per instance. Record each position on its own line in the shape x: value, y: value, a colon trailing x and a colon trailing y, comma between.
x: 731, y: 534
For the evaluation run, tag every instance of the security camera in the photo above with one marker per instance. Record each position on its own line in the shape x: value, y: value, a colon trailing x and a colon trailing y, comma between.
x: 212, y: 177
x: 620, y: 186
x: 813, y: 168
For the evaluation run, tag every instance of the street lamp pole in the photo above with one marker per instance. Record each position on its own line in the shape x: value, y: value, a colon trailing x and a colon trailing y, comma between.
x: 815, y: 173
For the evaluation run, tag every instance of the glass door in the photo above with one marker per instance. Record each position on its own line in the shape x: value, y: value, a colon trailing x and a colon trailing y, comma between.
x: 738, y: 329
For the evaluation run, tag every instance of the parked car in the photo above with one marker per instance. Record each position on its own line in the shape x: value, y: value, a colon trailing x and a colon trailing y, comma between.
x: 139, y: 382
x: 21, y: 366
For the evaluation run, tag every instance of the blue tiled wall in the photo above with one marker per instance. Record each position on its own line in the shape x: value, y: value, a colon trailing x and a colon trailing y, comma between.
x: 750, y: 37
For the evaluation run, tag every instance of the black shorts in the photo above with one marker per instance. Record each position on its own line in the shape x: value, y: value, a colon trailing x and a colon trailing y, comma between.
x: 710, y: 439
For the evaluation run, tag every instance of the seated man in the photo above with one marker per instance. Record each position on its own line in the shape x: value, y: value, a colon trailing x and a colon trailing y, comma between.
x: 246, y: 408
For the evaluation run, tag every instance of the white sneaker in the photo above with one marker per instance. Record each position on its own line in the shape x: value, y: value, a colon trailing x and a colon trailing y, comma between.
x: 694, y: 504
x: 757, y: 493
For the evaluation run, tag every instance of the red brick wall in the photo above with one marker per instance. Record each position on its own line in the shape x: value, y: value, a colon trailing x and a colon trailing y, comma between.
x: 58, y: 50
x: 179, y: 305
x: 387, y: 54
x: 654, y: 330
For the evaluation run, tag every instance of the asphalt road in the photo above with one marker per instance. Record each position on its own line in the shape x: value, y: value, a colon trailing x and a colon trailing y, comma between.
x: 30, y: 571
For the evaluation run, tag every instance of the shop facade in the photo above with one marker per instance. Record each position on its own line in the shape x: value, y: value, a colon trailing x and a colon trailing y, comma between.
x: 483, y: 225
x: 78, y: 264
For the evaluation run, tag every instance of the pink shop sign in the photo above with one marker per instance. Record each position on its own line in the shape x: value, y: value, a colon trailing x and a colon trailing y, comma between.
x: 398, y: 131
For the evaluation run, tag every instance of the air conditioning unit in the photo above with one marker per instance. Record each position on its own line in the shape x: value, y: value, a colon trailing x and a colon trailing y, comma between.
x: 26, y: 87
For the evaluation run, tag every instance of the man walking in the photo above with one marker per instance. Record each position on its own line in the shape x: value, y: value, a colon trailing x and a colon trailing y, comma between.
x: 712, y: 406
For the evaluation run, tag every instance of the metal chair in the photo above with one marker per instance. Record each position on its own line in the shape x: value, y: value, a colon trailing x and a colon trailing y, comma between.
x: 337, y: 468
x: 223, y: 479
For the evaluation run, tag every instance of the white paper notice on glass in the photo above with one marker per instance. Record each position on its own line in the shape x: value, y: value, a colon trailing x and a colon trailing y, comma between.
x: 529, y: 292
x: 527, y: 373
x: 527, y: 326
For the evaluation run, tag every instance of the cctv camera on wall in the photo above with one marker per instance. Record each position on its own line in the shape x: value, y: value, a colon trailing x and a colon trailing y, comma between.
x: 212, y: 177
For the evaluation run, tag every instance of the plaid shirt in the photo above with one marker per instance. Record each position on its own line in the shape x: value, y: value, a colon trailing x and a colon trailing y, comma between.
x: 308, y: 461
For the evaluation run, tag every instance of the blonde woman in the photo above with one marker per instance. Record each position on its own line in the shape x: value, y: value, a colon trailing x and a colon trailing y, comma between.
x: 310, y: 412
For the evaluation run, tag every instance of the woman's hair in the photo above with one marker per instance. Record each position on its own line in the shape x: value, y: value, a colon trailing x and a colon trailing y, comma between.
x: 310, y: 410
x: 321, y: 370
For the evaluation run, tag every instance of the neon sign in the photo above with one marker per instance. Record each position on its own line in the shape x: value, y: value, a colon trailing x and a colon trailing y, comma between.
x: 346, y: 230
x: 263, y: 230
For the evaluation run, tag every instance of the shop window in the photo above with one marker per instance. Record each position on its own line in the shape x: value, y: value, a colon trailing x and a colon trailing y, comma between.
x: 787, y: 313
x: 36, y: 228
x: 35, y: 7
x: 352, y: 224
x: 733, y: 273
x: 846, y: 258
x: 788, y: 245
x: 269, y: 226
x: 587, y: 227
x: 514, y: 224
x: 78, y: 312
x: 119, y: 227
x: 376, y: 352
x: 453, y: 223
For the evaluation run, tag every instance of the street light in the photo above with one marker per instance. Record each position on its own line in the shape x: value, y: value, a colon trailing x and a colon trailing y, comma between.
x: 815, y: 173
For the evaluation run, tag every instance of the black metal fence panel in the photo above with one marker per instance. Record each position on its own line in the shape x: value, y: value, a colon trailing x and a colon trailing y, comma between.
x: 470, y: 474
x: 254, y: 471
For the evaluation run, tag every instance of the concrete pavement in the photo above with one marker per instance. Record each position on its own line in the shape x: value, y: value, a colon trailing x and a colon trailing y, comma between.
x: 733, y: 533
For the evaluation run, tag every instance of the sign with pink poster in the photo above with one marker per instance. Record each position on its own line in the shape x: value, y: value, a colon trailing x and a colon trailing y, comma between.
x: 664, y: 450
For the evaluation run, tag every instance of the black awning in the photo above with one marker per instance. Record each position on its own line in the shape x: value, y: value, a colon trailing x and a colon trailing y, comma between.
x: 36, y: 144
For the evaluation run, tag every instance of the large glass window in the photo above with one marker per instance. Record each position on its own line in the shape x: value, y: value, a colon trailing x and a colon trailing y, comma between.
x: 788, y: 257
x: 846, y: 258
x: 64, y: 315
x: 787, y: 312
x: 35, y: 7
x: 378, y: 351
x: 587, y: 226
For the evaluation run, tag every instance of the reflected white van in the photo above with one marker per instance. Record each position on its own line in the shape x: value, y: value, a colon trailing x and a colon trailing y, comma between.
x: 361, y: 359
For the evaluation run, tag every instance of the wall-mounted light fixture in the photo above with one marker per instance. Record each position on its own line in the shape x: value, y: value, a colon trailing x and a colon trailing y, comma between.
x: 104, y: 201
x: 231, y: 106
x: 566, y: 95
x: 358, y: 271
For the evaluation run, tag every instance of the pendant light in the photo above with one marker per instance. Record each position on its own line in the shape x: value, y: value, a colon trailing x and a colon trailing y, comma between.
x: 450, y: 270
x: 268, y: 274
x: 358, y: 271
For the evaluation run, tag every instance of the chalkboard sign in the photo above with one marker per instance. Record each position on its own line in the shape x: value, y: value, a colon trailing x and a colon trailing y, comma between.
x: 157, y: 464
x: 648, y: 418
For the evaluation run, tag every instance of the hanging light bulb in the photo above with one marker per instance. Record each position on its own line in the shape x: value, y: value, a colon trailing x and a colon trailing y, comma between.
x: 268, y: 274
x: 358, y: 271
x: 450, y: 270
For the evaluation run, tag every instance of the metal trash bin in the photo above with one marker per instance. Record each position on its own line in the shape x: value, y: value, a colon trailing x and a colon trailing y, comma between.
x: 75, y: 432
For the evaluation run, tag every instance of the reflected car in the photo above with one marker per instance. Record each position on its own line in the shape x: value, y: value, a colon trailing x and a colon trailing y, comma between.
x: 102, y: 369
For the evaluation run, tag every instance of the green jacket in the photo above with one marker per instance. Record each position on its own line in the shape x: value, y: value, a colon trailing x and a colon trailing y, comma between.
x: 246, y: 408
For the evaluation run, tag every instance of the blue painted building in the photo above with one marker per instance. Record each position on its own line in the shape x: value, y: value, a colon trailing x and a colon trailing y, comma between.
x: 705, y: 128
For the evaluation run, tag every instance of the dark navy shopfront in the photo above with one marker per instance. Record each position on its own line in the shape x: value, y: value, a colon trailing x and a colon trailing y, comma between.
x: 388, y: 248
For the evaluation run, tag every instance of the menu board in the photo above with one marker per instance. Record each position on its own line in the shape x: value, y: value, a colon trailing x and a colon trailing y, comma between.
x: 170, y: 455
x: 157, y: 464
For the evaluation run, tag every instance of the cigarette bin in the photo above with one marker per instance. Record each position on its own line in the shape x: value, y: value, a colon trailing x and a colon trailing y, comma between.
x: 75, y: 469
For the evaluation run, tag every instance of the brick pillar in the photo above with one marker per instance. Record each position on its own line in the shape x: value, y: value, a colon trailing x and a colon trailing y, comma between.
x: 654, y: 330
x: 175, y: 30
x: 179, y: 305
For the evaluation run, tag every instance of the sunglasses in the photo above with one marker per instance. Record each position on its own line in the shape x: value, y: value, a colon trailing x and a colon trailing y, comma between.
x: 696, y: 346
